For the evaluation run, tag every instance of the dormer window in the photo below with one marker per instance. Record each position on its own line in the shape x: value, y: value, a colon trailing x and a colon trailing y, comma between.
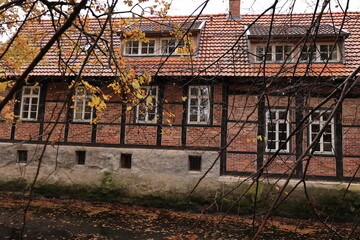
x: 328, y: 52
x: 169, y: 46
x: 140, y: 47
x: 274, y: 53
x: 308, y: 53
x: 319, y: 53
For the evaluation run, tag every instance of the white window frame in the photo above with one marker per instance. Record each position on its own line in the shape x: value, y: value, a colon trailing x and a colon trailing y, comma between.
x: 317, y: 53
x: 277, y: 121
x: 321, y: 123
x: 140, y: 46
x: 148, y: 105
x: 31, y: 96
x: 199, y: 97
x: 330, y: 46
x: 271, y: 54
x: 167, y: 52
x: 85, y: 99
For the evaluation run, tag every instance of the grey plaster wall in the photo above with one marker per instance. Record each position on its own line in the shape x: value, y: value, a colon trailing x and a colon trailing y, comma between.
x: 152, y: 171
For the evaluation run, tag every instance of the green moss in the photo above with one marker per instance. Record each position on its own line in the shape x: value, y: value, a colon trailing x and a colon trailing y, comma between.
x: 328, y: 202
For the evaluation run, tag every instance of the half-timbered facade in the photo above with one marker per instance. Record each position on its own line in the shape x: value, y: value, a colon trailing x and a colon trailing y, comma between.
x: 248, y: 91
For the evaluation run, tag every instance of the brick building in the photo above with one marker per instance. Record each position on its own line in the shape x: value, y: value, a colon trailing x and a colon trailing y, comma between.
x: 249, y: 92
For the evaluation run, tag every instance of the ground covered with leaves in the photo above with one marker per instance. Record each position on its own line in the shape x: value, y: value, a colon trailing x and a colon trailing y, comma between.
x: 77, y: 219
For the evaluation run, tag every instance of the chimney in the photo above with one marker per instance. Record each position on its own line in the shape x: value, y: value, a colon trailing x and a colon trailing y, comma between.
x: 234, y: 9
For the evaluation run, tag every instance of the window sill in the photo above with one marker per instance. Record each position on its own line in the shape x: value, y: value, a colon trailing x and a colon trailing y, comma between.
x: 28, y: 120
x: 81, y: 121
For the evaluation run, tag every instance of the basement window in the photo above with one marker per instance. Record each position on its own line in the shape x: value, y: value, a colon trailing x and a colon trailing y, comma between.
x: 195, y: 163
x: 80, y: 157
x: 22, y: 156
x: 125, y: 161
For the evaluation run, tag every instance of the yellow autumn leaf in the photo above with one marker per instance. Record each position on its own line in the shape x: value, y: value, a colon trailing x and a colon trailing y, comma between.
x: 149, y: 99
x: 135, y: 84
x: 95, y: 100
x: 128, y: 108
x: 3, y: 86
x: 183, y: 98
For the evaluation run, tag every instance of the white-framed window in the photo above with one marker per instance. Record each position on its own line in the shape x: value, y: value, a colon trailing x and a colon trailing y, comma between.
x: 277, y: 130
x: 328, y: 52
x: 327, y: 140
x: 82, y: 111
x: 199, y: 105
x: 307, y: 53
x: 140, y: 47
x: 319, y: 53
x: 30, y: 103
x: 171, y: 45
x: 146, y: 110
x: 274, y: 53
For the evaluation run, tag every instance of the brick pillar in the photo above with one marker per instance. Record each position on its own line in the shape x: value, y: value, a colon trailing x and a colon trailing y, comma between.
x: 234, y: 9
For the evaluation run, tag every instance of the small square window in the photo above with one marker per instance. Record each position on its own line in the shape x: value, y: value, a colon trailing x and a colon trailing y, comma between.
x: 80, y: 157
x: 194, y: 163
x: 125, y: 161
x: 22, y: 156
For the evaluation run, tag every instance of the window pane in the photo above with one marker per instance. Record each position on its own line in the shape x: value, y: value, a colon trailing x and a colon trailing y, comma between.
x: 205, y: 91
x: 317, y: 147
x: 271, y: 127
x: 282, y: 136
x: 193, y: 102
x: 271, y: 136
x: 282, y: 146
x: 194, y: 91
x: 27, y: 90
x: 271, y: 145
x: 33, y: 108
x: 279, y: 49
x: 315, y: 128
x: 327, y: 147
x: 193, y: 118
x: 282, y: 115
x: 282, y: 127
x: 25, y: 107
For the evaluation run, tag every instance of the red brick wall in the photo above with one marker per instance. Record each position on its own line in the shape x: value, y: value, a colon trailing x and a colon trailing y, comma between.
x: 27, y: 131
x: 173, y: 93
x: 80, y: 133
x: 203, y: 136
x: 351, y: 139
x: 241, y: 162
x: 108, y: 134
x: 5, y: 130
x: 142, y: 135
x: 112, y: 113
x: 241, y: 107
x: 350, y: 166
x: 281, y: 164
x: 52, y: 111
x: 177, y: 111
x: 323, y: 166
x: 171, y: 136
x: 57, y: 134
x: 246, y: 140
x: 57, y: 91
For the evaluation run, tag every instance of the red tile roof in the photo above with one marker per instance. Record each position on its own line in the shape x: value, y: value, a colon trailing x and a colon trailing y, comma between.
x: 222, y: 52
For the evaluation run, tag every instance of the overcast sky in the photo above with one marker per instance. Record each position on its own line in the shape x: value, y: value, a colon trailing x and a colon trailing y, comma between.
x: 184, y: 7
